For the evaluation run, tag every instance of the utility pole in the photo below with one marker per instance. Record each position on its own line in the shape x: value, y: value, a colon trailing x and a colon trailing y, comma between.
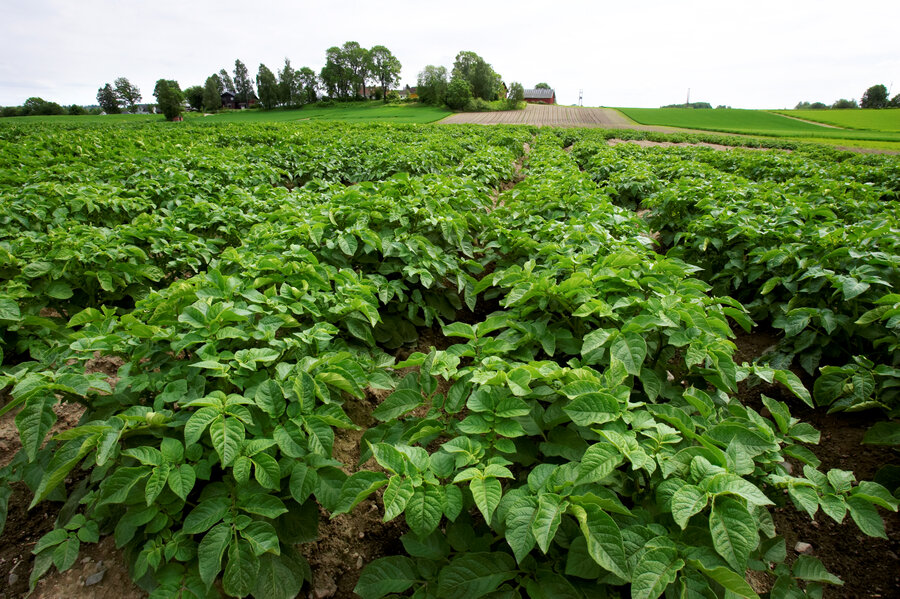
x: 688, y: 103
x: 581, y: 97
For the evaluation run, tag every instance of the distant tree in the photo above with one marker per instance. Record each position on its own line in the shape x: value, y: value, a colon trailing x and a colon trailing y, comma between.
x: 309, y: 83
x: 335, y: 73
x: 11, y: 111
x: 289, y: 91
x: 875, y: 97
x: 482, y: 79
x: 515, y: 95
x: 432, y: 85
x: 212, y: 94
x: 194, y: 97
x: 76, y: 110
x: 227, y: 81
x: 895, y: 101
x: 802, y: 105
x: 843, y: 104
x: 542, y: 86
x: 169, y: 97
x: 458, y: 93
x: 106, y: 98
x: 129, y: 95
x: 35, y: 106
x: 267, y: 86
x: 243, y: 87
x: 818, y: 106
x: 385, y: 68
x: 356, y: 59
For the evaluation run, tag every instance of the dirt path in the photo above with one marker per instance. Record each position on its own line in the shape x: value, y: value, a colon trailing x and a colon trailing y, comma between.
x: 544, y: 115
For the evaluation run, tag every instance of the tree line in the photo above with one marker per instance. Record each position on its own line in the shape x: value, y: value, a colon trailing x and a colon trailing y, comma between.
x: 874, y: 97
x: 472, y: 84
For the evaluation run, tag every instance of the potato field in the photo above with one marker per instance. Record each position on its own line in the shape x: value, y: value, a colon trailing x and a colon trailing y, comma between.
x: 538, y: 365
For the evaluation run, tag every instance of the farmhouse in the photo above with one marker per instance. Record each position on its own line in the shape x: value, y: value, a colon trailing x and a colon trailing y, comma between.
x: 229, y: 100
x: 540, y: 96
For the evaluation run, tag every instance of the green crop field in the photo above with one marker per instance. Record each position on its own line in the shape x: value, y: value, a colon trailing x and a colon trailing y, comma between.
x: 871, y: 119
x: 352, y: 112
x: 754, y: 122
x: 460, y: 353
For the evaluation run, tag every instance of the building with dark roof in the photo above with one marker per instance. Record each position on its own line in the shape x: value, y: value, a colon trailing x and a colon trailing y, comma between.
x: 540, y: 96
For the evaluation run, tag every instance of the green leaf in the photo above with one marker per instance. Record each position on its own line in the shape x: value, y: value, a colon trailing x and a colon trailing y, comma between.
x: 66, y: 553
x: 398, y: 403
x: 396, y: 496
x: 267, y: 471
x: 210, y: 552
x: 883, y: 433
x: 655, y: 570
x: 459, y: 329
x: 487, y: 493
x: 357, y: 488
x: 51, y: 539
x: 519, y: 535
x: 866, y: 517
x: 790, y: 380
x: 547, y: 518
x: 206, y: 514
x: 303, y: 482
x: 181, y: 480
x: 157, y: 482
x: 868, y: 490
x: 598, y: 462
x: 241, y: 570
x: 687, y: 501
x: 279, y: 577
x: 34, y: 421
x: 729, y: 579
x: 197, y: 423
x: 604, y: 539
x: 227, y: 436
x: 473, y: 575
x: 424, y: 509
x: 734, y: 531
x: 9, y: 309
x: 731, y: 483
x: 630, y: 349
x: 262, y: 537
x: 59, y: 290
x: 270, y: 398
x: 386, y: 575
x: 592, y: 408
x: 809, y: 568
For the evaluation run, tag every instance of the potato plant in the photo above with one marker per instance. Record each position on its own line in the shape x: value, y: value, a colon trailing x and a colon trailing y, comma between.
x: 579, y: 436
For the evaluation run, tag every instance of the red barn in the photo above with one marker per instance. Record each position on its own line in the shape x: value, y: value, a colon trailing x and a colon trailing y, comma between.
x: 540, y: 96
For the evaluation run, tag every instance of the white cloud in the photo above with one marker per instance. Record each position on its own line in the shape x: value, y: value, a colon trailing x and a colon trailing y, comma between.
x: 763, y: 54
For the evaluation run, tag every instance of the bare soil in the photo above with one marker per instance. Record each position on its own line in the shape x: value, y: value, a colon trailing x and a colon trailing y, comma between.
x: 545, y: 115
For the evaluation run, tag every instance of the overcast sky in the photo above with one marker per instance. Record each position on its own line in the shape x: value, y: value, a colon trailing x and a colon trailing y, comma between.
x: 760, y: 54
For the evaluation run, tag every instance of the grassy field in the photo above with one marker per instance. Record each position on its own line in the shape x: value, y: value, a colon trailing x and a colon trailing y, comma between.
x: 354, y: 112
x: 757, y: 122
x: 872, y: 120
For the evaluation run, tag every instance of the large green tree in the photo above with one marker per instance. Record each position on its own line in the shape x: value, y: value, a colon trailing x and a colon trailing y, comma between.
x: 194, y: 96
x: 243, y: 87
x: 541, y: 85
x: 482, y: 79
x: 309, y: 83
x: 334, y: 74
x: 289, y: 85
x: 356, y: 59
x: 875, y: 97
x: 432, y: 85
x: 169, y: 97
x: 267, y: 86
x: 127, y: 93
x: 458, y: 93
x: 106, y: 98
x: 515, y: 95
x: 227, y: 81
x: 212, y: 93
x: 384, y: 68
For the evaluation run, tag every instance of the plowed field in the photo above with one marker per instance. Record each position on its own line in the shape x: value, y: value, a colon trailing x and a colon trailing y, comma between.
x: 549, y: 116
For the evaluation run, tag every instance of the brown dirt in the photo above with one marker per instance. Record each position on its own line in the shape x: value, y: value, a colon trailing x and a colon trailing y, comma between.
x: 869, y: 567
x: 544, y: 115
